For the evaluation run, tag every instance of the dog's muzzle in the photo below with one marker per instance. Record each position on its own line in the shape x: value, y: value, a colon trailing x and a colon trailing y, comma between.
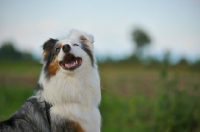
x: 69, y: 62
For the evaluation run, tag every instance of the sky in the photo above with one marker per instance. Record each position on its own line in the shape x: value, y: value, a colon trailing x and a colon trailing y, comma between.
x: 173, y: 25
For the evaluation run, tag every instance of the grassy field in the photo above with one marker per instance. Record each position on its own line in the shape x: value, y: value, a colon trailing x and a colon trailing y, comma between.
x: 135, y: 98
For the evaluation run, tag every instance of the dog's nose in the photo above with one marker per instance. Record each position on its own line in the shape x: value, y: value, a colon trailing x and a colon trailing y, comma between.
x: 66, y: 48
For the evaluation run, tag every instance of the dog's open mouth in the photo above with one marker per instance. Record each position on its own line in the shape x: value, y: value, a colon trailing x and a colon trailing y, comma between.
x: 70, y: 62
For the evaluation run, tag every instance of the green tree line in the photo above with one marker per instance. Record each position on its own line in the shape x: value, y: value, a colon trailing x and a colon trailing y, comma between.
x: 9, y: 52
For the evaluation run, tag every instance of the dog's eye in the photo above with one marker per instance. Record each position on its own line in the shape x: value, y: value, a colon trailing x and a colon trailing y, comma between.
x: 75, y: 45
x: 57, y: 49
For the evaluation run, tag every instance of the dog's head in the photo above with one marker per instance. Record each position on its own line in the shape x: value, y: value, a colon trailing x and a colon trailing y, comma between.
x: 70, y: 54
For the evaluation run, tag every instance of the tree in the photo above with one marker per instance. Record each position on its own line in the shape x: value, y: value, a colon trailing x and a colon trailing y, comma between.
x: 183, y: 61
x: 8, y: 52
x: 141, y: 39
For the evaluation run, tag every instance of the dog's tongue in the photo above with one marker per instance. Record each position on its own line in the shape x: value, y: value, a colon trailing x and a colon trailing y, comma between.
x: 71, y: 64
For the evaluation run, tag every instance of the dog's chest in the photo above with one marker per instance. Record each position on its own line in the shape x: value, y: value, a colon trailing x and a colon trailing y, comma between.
x: 73, y: 99
x: 82, y: 117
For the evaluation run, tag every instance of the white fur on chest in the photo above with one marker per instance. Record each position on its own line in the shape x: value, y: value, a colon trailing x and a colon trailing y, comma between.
x: 75, y: 97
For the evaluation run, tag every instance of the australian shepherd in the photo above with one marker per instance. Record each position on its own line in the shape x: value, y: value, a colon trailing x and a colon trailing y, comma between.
x: 68, y: 91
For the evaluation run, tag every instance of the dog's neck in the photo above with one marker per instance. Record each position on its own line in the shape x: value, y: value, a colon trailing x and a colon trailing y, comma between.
x: 77, y: 87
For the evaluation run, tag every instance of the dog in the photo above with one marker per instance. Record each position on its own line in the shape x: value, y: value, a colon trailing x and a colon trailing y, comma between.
x: 68, y: 92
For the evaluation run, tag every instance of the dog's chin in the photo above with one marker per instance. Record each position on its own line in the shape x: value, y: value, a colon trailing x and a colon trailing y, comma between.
x: 70, y: 62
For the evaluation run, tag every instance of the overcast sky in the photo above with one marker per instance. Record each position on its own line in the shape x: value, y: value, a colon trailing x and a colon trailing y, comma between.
x: 172, y: 24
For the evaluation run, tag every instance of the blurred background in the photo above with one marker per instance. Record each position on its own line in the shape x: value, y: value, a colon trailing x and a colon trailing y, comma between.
x: 148, y: 54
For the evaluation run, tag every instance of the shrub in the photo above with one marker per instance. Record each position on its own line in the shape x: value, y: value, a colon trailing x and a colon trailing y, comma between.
x: 175, y: 110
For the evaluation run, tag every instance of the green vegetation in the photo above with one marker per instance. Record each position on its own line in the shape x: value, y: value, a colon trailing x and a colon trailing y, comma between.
x: 11, y: 98
x: 150, y: 100
x: 135, y: 98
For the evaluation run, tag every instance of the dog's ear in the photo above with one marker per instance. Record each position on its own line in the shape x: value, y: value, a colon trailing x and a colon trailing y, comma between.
x: 83, y: 37
x: 86, y: 39
x: 47, y: 48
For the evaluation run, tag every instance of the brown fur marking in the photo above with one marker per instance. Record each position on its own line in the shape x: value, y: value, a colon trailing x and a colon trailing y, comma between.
x: 78, y: 127
x: 83, y: 39
x: 45, y: 54
x: 59, y: 45
x: 53, y: 67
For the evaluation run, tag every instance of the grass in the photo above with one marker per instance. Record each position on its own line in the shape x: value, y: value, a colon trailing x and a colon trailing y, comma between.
x: 134, y: 98
x: 11, y: 99
x: 17, y: 83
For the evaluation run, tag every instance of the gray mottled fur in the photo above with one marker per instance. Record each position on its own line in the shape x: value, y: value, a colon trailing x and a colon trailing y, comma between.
x: 33, y: 117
